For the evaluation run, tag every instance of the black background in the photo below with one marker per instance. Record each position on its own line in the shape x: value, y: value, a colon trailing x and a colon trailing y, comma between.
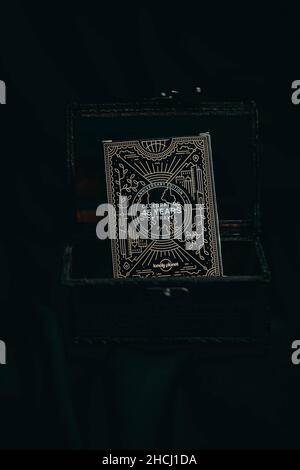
x: 51, y: 56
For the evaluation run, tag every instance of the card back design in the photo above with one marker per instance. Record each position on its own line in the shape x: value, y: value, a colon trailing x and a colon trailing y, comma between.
x: 165, y: 214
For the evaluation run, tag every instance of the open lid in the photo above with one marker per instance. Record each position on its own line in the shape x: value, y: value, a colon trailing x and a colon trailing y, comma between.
x: 234, y: 139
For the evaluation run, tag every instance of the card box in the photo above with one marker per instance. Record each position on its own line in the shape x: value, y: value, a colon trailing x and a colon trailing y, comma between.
x: 168, y: 184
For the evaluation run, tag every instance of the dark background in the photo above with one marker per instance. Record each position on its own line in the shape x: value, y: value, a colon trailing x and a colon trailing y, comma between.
x: 51, y: 56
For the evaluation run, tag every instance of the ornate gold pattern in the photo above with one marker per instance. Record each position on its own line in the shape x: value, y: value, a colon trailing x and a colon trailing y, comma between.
x: 163, y: 171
